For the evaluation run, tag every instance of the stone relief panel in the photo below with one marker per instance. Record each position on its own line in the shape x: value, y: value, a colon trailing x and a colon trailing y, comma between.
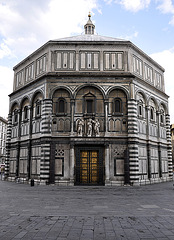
x: 164, y: 161
x: 59, y: 160
x: 117, y: 152
x: 154, y: 162
x: 142, y: 153
x: 23, y: 161
x: 88, y: 127
x: 13, y: 158
x: 62, y: 161
x: 35, y: 160
x: 61, y: 124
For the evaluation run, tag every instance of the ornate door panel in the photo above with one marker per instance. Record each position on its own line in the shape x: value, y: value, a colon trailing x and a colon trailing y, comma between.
x: 89, y: 166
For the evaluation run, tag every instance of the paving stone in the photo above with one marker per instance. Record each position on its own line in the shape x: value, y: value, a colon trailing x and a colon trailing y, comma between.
x: 34, y: 216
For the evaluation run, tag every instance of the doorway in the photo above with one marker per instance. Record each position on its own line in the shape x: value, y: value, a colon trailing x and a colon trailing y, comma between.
x: 89, y: 166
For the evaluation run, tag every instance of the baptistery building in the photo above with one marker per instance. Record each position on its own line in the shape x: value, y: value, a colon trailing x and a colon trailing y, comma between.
x: 88, y: 110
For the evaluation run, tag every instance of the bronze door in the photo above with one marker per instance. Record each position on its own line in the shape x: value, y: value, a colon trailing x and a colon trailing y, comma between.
x: 89, y: 168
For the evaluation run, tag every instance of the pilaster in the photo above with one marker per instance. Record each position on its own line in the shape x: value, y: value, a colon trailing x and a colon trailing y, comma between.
x: 133, y: 141
x: 148, y: 143
x: 107, y: 168
x: 46, y: 117
x: 8, y: 139
x: 106, y: 116
x: 71, y: 164
x: 45, y: 162
x: 72, y: 116
x: 169, y: 146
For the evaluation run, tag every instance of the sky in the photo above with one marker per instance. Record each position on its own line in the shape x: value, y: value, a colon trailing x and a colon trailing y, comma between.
x: 25, y: 25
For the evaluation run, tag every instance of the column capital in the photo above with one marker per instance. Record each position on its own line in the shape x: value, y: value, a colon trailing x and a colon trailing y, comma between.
x: 147, y: 108
x: 106, y: 100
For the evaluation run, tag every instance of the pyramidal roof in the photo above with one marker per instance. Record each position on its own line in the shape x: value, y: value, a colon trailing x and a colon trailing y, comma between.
x: 89, y: 35
x: 85, y: 37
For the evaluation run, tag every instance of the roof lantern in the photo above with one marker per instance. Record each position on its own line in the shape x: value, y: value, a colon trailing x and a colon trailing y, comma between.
x: 89, y: 26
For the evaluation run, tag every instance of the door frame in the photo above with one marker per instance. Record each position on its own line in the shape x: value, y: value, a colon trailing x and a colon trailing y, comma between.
x: 101, y: 166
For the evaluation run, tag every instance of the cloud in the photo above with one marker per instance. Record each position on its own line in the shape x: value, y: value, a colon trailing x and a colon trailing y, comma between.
x: 130, y: 37
x: 166, y: 59
x: 134, y: 5
x: 6, y: 86
x: 26, y: 25
x: 167, y: 7
x: 5, y: 51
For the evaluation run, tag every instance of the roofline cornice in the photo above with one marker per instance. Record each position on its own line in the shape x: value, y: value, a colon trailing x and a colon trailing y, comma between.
x: 63, y: 42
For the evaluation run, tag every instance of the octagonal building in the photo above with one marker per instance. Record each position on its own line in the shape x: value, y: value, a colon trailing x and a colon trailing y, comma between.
x: 89, y: 110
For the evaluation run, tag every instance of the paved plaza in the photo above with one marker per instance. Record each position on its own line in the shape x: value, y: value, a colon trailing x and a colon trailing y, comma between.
x: 86, y: 213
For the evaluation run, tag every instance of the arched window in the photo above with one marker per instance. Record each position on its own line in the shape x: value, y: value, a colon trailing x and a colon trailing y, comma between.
x: 61, y: 106
x: 151, y: 114
x: 117, y: 106
x: 38, y: 108
x: 140, y: 110
x: 162, y: 119
x: 25, y: 113
x: 15, y: 116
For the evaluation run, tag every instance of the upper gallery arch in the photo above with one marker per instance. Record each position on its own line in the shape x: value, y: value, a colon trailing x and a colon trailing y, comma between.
x: 91, y: 86
x: 126, y: 92
x: 52, y: 92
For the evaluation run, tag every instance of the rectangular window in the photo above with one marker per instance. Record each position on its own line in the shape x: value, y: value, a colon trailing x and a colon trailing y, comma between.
x: 137, y: 66
x: 96, y: 61
x: 30, y: 72
x: 20, y: 79
x: 89, y: 64
x: 41, y: 65
x: 148, y: 73
x: 158, y: 80
x: 113, y: 60
x: 89, y: 103
x: 120, y: 61
x: 89, y: 60
x: 82, y: 60
x: 64, y: 60
x: 107, y: 61
x: 71, y: 61
x: 59, y: 65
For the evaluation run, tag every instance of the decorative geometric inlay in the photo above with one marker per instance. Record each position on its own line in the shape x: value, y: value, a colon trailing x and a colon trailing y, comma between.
x: 73, y: 87
x: 105, y: 87
x: 119, y: 151
x: 59, y: 152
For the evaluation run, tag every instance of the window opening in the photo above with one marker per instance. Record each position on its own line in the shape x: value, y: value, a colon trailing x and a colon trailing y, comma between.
x: 15, y: 116
x: 151, y: 114
x: 117, y: 106
x: 89, y: 105
x: 162, y: 119
x: 140, y: 110
x: 61, y: 106
x: 38, y: 108
x: 25, y: 112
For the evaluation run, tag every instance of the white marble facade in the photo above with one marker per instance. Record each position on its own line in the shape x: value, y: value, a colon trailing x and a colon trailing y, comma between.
x: 89, y: 110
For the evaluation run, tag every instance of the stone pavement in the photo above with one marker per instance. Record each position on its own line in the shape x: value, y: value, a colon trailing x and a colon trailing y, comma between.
x: 86, y: 213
